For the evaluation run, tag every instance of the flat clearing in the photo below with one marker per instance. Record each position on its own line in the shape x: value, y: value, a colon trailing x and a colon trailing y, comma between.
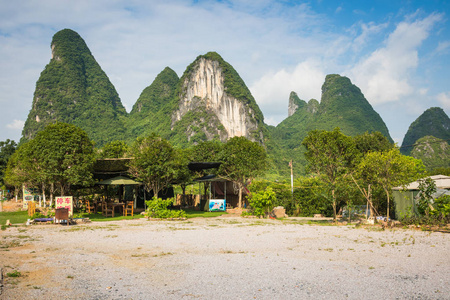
x: 222, y: 258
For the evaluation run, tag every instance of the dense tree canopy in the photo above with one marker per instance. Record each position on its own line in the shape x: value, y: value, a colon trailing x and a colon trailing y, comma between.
x: 114, y: 149
x: 154, y: 162
x: 242, y: 160
x: 388, y: 169
x: 7, y: 149
x: 61, y: 153
x: 330, y: 154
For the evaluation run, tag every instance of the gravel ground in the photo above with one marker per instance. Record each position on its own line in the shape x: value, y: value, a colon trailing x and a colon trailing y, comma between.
x: 222, y: 258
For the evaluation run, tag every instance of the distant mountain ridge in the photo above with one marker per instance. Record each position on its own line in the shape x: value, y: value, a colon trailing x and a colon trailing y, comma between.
x: 433, y: 122
x: 209, y: 101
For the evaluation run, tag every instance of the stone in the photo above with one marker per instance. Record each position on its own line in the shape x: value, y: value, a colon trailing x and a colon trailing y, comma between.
x: 279, y: 212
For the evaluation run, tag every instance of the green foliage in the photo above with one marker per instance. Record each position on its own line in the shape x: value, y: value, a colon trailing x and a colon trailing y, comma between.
x: 389, y: 169
x: 262, y: 202
x: 242, y: 159
x: 114, y: 149
x: 441, y: 206
x: 153, y: 162
x: 158, y: 208
x: 61, y: 153
x: 433, y: 122
x: 7, y: 148
x: 14, y: 273
x: 74, y: 89
x: 434, y: 152
x: 427, y: 187
x: 152, y: 109
x: 330, y: 155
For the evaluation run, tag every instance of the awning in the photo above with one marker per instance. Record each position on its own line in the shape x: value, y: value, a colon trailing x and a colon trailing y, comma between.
x: 119, y: 180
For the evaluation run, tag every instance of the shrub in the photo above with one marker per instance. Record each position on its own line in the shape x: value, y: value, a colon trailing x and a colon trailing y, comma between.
x: 158, y: 208
x: 262, y: 202
x: 441, y: 206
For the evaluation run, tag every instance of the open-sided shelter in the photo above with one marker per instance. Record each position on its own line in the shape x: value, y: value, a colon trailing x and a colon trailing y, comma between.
x: 405, y: 198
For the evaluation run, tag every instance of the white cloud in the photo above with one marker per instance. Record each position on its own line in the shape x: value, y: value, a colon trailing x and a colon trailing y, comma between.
x: 384, y: 75
x: 367, y: 31
x: 444, y: 100
x: 16, y: 125
x: 443, y: 47
x: 272, y: 90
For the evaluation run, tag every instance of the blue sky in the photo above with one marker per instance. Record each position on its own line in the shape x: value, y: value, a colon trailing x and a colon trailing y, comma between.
x: 396, y: 52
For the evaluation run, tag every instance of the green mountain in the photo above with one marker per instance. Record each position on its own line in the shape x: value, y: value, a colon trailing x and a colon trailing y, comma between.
x: 147, y: 113
x: 342, y: 105
x: 74, y: 89
x: 434, y: 152
x: 213, y: 102
x: 433, y: 122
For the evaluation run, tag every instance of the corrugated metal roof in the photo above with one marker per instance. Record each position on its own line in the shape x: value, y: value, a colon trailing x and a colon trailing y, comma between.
x: 442, y: 182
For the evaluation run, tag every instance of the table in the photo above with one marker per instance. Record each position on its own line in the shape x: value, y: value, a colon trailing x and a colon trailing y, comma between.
x: 115, y: 205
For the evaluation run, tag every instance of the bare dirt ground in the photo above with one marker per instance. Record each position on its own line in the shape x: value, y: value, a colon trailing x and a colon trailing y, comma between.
x: 222, y: 258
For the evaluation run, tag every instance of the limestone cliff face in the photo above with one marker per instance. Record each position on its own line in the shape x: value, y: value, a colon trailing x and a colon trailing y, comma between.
x: 293, y: 103
x: 204, y: 93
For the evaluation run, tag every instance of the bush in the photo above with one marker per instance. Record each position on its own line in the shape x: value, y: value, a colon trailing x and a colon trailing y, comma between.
x: 441, y: 206
x: 158, y: 208
x: 261, y: 202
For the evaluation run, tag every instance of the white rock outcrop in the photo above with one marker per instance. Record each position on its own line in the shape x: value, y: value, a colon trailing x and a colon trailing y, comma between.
x: 205, y: 86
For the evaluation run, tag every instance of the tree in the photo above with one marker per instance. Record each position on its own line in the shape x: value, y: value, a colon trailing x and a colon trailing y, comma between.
x: 427, y: 187
x: 114, y: 149
x: 61, y: 153
x: 182, y: 176
x: 242, y: 160
x: 374, y: 141
x: 330, y: 155
x: 7, y: 148
x: 262, y: 201
x: 388, y: 169
x: 153, y: 162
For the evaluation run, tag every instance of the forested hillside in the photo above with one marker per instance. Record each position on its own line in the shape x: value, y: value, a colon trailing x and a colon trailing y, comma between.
x: 433, y: 122
x: 74, y: 89
x: 209, y: 102
x: 342, y: 105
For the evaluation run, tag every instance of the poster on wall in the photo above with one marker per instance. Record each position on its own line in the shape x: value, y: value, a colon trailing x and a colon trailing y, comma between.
x: 65, y: 202
x: 217, y: 205
x: 27, y: 196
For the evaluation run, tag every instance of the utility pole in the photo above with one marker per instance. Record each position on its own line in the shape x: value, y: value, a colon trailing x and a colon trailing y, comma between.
x: 292, y: 177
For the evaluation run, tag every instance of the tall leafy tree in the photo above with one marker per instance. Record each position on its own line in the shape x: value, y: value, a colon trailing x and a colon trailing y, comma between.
x: 182, y: 176
x: 114, y: 149
x: 242, y: 160
x: 153, y: 162
x: 330, y: 155
x: 61, y: 153
x: 388, y: 169
x: 7, y: 149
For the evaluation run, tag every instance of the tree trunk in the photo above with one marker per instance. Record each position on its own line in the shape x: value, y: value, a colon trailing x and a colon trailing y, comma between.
x: 334, y: 205
x: 43, y: 193
x: 387, y: 195
x: 240, y: 196
x: 52, y: 190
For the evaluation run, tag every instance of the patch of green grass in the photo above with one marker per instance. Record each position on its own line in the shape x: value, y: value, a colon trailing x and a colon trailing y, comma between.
x: 98, y: 217
x: 15, y: 217
x: 203, y: 214
x: 309, y: 222
x: 14, y: 273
